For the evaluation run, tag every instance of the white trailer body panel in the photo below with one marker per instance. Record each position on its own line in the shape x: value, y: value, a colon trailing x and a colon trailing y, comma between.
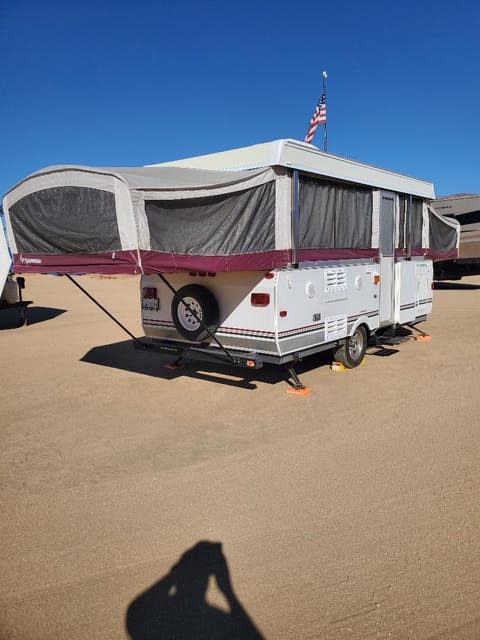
x: 310, y: 307
x: 325, y: 302
x: 413, y: 290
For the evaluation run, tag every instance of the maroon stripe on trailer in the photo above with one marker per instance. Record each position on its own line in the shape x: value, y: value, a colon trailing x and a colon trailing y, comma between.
x: 314, y: 255
x: 444, y: 255
x: 369, y: 314
x: 306, y: 328
x: 151, y: 262
x: 156, y: 262
x: 102, y: 263
x: 428, y: 253
x: 232, y: 330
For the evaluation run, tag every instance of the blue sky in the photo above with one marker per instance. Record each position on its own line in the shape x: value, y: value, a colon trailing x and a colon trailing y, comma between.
x: 113, y: 83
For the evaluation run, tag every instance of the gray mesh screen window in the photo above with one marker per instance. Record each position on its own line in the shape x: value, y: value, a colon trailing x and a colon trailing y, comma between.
x: 334, y: 215
x: 227, y: 224
x: 64, y: 220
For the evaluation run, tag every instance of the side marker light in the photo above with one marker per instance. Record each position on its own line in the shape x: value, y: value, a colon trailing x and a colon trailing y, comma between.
x: 149, y: 292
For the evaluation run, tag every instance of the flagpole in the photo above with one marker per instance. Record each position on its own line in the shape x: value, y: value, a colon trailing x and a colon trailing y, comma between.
x: 319, y: 116
x: 324, y: 77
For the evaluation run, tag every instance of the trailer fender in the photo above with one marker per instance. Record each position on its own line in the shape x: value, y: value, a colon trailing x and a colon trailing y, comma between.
x: 370, y: 326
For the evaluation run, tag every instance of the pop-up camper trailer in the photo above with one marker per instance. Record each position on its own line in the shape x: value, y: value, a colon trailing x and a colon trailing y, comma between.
x: 272, y: 252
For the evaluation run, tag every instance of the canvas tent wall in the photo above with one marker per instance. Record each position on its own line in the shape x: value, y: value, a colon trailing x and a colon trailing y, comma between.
x: 66, y: 219
x: 268, y: 206
x: 413, y: 235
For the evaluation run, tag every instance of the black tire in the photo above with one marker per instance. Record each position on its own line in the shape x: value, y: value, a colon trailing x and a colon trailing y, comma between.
x: 352, y: 351
x: 202, y: 302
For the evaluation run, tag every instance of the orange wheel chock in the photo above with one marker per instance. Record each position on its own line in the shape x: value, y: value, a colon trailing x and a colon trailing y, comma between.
x: 299, y: 392
x: 424, y: 338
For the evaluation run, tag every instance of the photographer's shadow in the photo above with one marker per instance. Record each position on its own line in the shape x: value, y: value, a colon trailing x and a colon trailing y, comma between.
x: 176, y: 608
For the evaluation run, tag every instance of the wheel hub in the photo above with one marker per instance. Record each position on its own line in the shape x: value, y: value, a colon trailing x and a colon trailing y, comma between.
x: 185, y: 315
x: 355, y: 346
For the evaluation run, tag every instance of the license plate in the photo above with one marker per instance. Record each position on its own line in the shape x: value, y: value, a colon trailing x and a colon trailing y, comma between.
x: 150, y: 304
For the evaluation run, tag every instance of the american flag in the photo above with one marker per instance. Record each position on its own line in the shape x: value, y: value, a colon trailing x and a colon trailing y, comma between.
x: 319, y: 117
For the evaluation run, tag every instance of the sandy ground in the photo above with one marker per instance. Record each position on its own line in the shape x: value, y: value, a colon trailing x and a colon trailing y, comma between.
x: 351, y: 513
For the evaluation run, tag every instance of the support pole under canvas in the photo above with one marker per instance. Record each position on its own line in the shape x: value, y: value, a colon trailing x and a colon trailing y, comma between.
x: 135, y: 339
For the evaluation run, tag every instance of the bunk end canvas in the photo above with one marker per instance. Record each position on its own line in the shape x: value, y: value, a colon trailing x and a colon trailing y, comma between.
x: 145, y: 220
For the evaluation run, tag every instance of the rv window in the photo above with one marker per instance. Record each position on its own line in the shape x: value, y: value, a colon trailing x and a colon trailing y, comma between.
x: 66, y: 220
x: 410, y: 222
x: 227, y: 224
x: 416, y: 223
x: 334, y: 215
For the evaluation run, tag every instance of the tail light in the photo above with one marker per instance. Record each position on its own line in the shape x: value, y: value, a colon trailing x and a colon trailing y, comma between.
x: 149, y: 292
x: 260, y: 299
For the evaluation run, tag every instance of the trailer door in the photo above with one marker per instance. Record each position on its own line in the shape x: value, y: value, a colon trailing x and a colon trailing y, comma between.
x: 387, y: 259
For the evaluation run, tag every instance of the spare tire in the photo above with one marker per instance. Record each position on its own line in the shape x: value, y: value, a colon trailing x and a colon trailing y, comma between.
x: 199, y: 300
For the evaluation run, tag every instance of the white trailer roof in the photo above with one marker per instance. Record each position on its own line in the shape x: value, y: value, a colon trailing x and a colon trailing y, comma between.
x: 308, y: 158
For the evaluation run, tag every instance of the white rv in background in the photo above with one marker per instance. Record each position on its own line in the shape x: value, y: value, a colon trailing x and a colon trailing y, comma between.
x: 465, y: 209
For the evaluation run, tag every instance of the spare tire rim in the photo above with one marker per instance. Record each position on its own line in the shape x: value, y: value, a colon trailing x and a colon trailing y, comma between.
x: 185, y: 315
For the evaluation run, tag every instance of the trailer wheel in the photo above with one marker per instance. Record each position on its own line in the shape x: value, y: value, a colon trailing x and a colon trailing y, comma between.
x: 352, y: 351
x: 199, y: 300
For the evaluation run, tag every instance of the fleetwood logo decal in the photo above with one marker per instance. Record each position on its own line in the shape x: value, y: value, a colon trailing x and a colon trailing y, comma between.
x: 30, y: 260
